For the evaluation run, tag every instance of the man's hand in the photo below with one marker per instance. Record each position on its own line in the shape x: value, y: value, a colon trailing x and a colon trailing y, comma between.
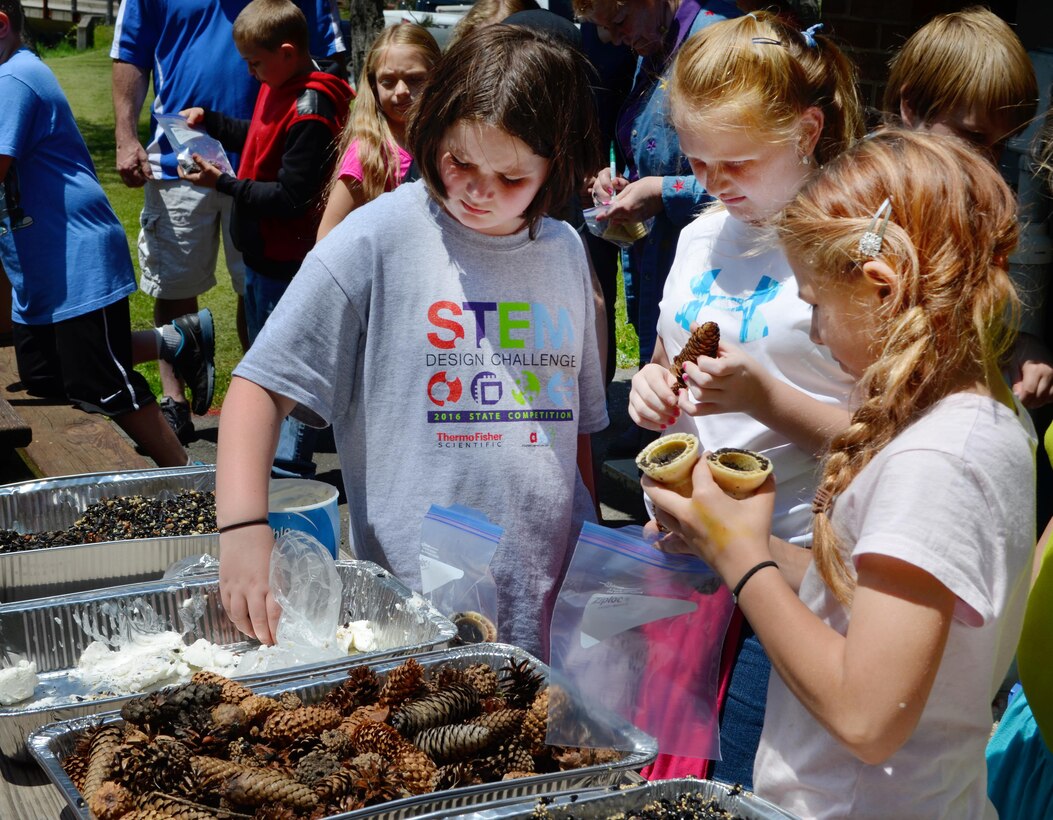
x: 133, y: 164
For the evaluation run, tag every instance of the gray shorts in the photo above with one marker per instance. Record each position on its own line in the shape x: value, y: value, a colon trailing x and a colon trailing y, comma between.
x: 179, y: 235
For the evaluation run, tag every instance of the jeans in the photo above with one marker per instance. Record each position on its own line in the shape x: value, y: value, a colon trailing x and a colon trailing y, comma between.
x: 743, y: 713
x: 294, y: 457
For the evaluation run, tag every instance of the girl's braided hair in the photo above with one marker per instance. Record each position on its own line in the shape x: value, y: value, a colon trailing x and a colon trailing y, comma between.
x: 949, y: 317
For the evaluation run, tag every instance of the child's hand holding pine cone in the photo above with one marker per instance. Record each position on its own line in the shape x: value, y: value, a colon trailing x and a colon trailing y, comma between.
x: 704, y: 341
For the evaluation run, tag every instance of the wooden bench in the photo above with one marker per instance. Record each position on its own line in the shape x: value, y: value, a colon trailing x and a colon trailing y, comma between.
x: 62, y: 439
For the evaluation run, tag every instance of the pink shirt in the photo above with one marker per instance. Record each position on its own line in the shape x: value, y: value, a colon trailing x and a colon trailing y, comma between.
x: 351, y: 167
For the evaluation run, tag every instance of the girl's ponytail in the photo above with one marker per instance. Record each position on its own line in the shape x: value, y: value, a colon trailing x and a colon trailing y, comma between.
x: 759, y: 73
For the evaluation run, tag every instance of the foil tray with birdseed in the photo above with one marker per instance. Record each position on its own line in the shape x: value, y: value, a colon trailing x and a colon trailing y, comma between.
x: 54, y: 633
x: 442, y: 732
x: 683, y: 798
x: 34, y: 513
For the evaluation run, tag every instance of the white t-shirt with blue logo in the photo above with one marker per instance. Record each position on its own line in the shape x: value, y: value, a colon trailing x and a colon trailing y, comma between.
x: 729, y: 272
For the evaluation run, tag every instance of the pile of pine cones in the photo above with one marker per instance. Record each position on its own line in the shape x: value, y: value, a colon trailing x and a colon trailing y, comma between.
x: 213, y: 749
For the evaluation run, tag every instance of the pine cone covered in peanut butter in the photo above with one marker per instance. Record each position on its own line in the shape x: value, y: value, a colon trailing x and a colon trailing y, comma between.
x: 254, y: 788
x: 229, y: 691
x: 286, y: 726
x: 704, y: 341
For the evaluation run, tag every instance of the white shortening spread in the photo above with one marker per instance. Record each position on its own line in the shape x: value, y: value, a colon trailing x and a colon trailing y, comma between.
x: 18, y: 682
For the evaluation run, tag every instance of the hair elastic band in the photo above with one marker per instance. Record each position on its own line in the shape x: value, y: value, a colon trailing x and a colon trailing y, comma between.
x: 253, y: 523
x: 735, y: 593
x: 870, y: 241
x: 809, y: 35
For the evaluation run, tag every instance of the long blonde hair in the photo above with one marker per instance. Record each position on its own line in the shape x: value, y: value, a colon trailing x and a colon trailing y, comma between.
x: 761, y: 75
x: 952, y: 227
x: 377, y: 148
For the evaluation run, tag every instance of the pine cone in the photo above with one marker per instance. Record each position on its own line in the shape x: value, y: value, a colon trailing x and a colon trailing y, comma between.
x: 335, y: 785
x: 379, y: 738
x: 418, y: 771
x: 704, y: 341
x: 360, y: 688
x: 520, y: 683
x: 455, y: 775
x: 483, y: 678
x: 458, y: 741
x: 258, y: 707
x: 111, y: 801
x: 254, y: 788
x: 210, y: 771
x: 285, y: 726
x: 450, y: 705
x: 535, y: 724
x: 163, y: 765
x: 290, y: 701
x: 376, y: 780
x: 403, y: 683
x: 337, y: 742
x: 229, y: 691
x: 447, y: 675
x: 502, y: 724
x: 315, y: 765
x: 103, y: 748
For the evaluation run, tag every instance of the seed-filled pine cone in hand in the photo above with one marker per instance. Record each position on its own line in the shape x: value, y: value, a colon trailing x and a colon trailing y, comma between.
x: 703, y: 342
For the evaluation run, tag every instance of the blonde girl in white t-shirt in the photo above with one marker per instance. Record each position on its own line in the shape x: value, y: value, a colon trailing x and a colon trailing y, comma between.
x: 757, y: 106
x: 891, y: 636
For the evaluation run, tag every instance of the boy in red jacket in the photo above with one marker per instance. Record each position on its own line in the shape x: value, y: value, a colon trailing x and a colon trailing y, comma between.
x: 287, y: 156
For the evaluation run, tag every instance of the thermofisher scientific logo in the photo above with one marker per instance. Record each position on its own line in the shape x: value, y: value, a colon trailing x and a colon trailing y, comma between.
x: 460, y: 441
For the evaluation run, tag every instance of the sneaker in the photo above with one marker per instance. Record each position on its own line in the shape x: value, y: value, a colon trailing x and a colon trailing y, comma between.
x: 177, y: 414
x: 193, y: 362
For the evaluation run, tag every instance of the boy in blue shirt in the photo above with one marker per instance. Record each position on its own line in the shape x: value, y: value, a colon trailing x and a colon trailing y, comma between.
x: 66, y: 256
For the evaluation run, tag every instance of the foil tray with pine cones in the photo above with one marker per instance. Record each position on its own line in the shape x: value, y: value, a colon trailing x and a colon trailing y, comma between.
x: 448, y: 729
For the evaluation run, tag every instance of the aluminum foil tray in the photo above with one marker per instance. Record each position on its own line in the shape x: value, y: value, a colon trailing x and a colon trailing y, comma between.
x: 52, y: 744
x: 56, y: 503
x: 599, y: 804
x: 50, y: 633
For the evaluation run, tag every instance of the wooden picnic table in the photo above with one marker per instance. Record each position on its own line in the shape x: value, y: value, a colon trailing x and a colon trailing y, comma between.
x: 27, y: 794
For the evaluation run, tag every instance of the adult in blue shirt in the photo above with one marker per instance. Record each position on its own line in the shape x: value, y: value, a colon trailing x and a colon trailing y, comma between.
x: 188, y: 47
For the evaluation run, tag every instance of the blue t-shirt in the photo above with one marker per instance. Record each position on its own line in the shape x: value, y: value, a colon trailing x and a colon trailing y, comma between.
x: 188, y: 45
x: 62, y: 245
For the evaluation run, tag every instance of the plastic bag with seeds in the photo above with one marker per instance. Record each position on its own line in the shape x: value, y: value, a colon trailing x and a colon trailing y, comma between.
x: 304, y: 580
x: 624, y: 235
x: 625, y: 619
x: 457, y: 545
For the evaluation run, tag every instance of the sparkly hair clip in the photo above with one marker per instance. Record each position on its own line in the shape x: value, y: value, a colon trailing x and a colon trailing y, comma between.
x: 870, y: 241
x: 809, y: 35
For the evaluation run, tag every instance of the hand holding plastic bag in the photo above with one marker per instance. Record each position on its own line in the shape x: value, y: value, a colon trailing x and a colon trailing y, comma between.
x: 304, y: 581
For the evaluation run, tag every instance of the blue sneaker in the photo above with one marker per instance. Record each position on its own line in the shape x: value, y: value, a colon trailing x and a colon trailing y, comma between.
x: 194, y: 360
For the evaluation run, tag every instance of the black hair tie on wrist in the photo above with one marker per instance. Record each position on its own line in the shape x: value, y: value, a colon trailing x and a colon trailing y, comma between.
x: 749, y: 574
x: 254, y: 522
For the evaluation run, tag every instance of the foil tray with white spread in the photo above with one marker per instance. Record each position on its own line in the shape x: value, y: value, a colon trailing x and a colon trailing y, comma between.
x: 52, y: 634
x: 56, y: 503
x: 52, y: 744
x: 600, y: 804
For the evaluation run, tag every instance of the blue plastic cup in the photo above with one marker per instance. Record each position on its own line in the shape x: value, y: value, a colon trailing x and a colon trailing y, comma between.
x: 306, y: 505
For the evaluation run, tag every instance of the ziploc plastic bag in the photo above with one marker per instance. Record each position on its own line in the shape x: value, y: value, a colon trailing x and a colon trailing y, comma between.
x: 186, y: 140
x: 623, y: 235
x: 641, y: 632
x: 456, y: 546
x: 304, y: 580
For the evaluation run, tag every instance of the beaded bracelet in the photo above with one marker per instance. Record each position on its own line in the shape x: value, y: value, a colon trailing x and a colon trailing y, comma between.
x: 749, y: 574
x: 254, y: 522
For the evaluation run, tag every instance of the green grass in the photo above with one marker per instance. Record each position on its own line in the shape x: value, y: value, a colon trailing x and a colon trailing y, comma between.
x: 85, y: 76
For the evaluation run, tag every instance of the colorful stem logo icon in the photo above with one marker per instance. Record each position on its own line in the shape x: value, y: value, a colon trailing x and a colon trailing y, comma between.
x: 528, y: 388
x: 452, y: 391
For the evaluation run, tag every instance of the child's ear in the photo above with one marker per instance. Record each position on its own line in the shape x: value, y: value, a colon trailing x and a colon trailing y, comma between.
x: 811, y: 125
x: 289, y: 52
x: 880, y: 277
x: 5, y: 24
